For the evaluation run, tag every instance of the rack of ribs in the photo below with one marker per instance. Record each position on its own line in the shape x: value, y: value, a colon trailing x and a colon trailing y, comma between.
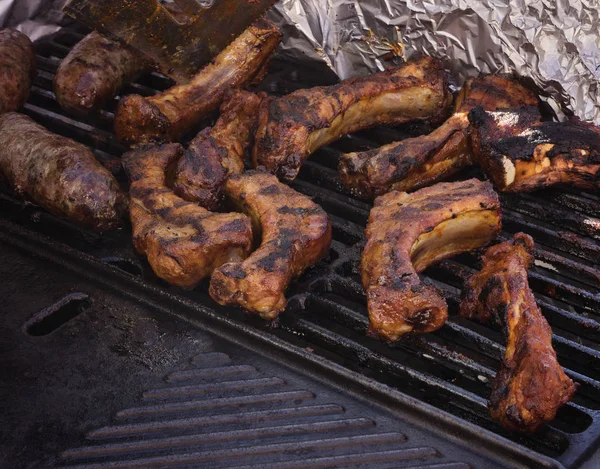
x: 293, y: 127
x: 183, y: 242
x: 296, y: 234
x: 166, y: 116
x: 531, y: 385
x: 421, y: 161
x: 520, y: 154
x: 408, y: 232
x: 219, y: 151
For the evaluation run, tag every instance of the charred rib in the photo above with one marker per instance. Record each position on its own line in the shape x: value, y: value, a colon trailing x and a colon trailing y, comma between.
x: 418, y: 162
x: 531, y: 385
x: 296, y: 234
x: 408, y: 232
x: 218, y: 152
x: 292, y: 127
x: 183, y: 242
x: 167, y: 116
x: 521, y: 154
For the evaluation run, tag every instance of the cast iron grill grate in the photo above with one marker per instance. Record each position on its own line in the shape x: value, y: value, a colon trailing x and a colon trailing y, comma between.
x: 451, y: 368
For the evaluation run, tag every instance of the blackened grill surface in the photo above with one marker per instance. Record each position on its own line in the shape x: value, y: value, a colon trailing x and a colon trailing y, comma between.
x: 326, y: 319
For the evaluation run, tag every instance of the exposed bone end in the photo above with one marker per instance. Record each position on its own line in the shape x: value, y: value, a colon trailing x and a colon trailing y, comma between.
x: 509, y: 171
x: 413, y: 308
x: 138, y: 121
x: 465, y: 232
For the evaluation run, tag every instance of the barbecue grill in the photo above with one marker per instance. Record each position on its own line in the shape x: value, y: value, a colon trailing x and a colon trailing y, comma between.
x: 104, y: 365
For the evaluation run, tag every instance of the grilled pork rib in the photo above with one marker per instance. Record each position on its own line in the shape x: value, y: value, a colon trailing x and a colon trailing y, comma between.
x: 408, y: 232
x: 167, y: 116
x: 183, y: 242
x: 521, y: 154
x: 296, y: 234
x: 292, y: 127
x: 418, y: 162
x: 219, y: 151
x: 531, y: 385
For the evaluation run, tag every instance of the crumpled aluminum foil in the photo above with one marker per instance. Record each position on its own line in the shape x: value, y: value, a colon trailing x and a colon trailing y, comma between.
x: 35, y: 18
x: 556, y: 43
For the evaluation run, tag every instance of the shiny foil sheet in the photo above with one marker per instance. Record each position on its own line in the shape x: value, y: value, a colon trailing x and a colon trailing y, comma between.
x: 555, y: 43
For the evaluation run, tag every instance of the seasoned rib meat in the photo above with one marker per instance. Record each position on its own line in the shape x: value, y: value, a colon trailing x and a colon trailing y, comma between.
x: 296, y: 234
x: 183, y: 242
x: 219, y: 151
x: 167, y: 116
x: 17, y: 69
x: 530, y: 386
x: 408, y: 232
x: 418, y: 162
x: 292, y: 127
x: 94, y: 71
x: 58, y: 174
x: 521, y: 154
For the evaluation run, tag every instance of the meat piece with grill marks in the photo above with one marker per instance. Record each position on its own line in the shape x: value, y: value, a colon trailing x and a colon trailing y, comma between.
x: 421, y: 161
x: 521, y: 154
x: 183, y: 242
x: 408, y: 232
x: 292, y: 127
x: 296, y: 234
x: 219, y: 151
x: 531, y: 385
x: 167, y: 116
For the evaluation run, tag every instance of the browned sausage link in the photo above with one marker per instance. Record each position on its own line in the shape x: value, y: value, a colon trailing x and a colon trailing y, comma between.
x: 17, y: 69
x: 94, y: 71
x: 167, y: 116
x: 58, y: 173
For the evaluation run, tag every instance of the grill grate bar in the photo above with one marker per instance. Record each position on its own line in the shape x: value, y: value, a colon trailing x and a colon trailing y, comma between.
x: 258, y: 434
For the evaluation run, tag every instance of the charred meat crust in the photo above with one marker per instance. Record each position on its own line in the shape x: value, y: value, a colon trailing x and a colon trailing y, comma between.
x: 418, y: 162
x: 296, y: 234
x: 167, y: 116
x: 294, y: 126
x: 531, y: 385
x: 218, y: 152
x: 183, y: 242
x: 520, y: 153
x: 408, y: 232
x: 59, y: 174
x: 17, y: 69
x: 94, y: 71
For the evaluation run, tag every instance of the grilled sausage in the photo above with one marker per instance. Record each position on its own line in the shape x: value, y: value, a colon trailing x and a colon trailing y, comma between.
x: 59, y: 174
x: 17, y: 69
x: 94, y: 71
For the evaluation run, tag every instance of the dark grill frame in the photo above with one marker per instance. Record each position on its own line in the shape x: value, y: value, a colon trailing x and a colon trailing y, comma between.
x: 443, y: 376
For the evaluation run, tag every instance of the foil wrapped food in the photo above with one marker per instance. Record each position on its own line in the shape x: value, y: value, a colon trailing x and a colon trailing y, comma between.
x: 555, y: 43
